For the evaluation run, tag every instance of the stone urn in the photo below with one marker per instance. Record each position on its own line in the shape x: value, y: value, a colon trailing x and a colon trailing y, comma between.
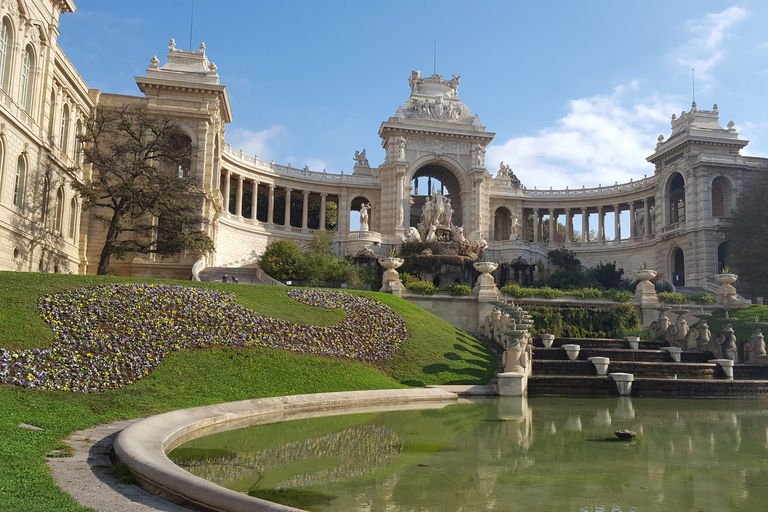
x: 485, y: 287
x: 645, y: 292
x: 726, y: 278
x: 726, y: 294
x: 572, y: 351
x: 390, y: 281
x: 547, y: 340
x: 634, y: 342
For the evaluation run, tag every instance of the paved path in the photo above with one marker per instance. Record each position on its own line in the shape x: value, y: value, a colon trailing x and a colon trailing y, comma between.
x: 84, y: 475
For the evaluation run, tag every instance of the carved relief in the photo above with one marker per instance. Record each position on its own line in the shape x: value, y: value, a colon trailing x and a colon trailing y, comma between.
x: 435, y: 109
x: 440, y: 146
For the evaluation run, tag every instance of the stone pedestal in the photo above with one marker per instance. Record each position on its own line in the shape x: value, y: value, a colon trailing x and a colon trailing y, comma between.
x: 601, y: 364
x: 645, y: 296
x: 674, y: 353
x: 547, y: 340
x: 390, y: 281
x: 572, y: 351
x: 512, y: 384
x: 634, y: 342
x: 623, y: 382
x: 726, y: 365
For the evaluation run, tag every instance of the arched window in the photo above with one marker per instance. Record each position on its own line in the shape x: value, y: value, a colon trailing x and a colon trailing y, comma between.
x: 78, y: 133
x: 57, y: 225
x: 72, y: 217
x: 46, y: 198
x: 26, y: 91
x: 6, y: 44
x: 18, y: 186
x: 64, y: 132
x: 676, y: 199
x: 51, y: 114
x: 2, y: 167
x: 721, y: 197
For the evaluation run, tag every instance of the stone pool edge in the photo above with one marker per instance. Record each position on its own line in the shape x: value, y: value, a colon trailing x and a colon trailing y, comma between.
x: 143, y: 445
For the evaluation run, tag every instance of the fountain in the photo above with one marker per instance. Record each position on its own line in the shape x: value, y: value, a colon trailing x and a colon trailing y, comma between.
x: 752, y: 350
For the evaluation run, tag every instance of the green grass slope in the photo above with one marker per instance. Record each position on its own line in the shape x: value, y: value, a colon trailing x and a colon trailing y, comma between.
x: 435, y: 353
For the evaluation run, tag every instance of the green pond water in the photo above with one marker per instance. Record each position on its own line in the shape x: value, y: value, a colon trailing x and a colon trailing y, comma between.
x: 507, y: 454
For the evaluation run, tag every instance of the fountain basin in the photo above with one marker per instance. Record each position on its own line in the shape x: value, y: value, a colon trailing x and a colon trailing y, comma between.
x: 601, y: 364
x: 547, y: 340
x: 143, y: 445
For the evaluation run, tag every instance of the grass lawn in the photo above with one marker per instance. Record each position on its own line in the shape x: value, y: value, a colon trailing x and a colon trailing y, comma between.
x: 435, y: 353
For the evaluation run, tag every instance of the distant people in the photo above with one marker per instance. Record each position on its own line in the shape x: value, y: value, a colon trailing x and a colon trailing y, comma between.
x: 225, y: 279
x: 234, y: 280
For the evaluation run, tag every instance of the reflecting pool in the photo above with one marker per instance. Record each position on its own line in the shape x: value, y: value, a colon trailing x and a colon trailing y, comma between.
x: 507, y: 454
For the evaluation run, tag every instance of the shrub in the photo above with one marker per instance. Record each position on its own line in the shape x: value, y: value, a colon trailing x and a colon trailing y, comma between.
x: 518, y: 292
x: 702, y: 299
x: 281, y: 259
x: 672, y: 298
x: 586, y: 293
x: 422, y: 287
x: 607, y: 275
x: 548, y: 293
x: 619, y: 295
x: 407, y: 278
x: 577, y: 322
x: 458, y: 290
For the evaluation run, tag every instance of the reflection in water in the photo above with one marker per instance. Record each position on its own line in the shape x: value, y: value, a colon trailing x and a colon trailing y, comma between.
x: 507, y: 454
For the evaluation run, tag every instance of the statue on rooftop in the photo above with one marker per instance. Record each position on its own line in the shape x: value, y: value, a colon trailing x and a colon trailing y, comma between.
x: 360, y: 158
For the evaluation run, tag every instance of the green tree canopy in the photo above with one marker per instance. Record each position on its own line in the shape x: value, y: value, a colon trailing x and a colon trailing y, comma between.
x: 747, y: 243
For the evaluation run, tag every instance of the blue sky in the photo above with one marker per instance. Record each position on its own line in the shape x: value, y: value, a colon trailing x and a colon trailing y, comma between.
x: 576, y: 92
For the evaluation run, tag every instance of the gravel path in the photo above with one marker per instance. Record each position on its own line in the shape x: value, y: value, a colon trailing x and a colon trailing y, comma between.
x: 84, y: 475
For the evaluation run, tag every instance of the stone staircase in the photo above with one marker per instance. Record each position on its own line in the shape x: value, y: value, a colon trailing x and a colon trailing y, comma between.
x: 247, y: 274
x: 655, y: 372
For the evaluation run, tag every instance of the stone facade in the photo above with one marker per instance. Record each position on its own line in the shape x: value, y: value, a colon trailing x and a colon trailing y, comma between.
x: 675, y: 216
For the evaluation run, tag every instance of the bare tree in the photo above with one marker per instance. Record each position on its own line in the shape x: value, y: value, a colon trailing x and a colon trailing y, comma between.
x: 141, y: 187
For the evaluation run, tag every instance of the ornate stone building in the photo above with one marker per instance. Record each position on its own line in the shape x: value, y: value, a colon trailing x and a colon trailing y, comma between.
x: 435, y: 149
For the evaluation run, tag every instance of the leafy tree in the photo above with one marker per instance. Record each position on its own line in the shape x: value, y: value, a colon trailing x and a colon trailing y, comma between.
x: 140, y: 185
x: 607, y: 275
x: 281, y: 259
x: 746, y: 238
x: 564, y: 259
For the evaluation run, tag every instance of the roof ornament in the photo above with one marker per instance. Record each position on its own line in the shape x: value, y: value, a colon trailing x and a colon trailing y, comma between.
x: 154, y: 61
x: 202, y: 47
x: 171, y: 45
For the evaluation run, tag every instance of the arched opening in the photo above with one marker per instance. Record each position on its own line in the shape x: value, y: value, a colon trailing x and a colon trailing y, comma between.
x: 18, y: 186
x: 722, y: 256
x: 59, y: 218
x: 676, y: 199
x: 502, y: 224
x: 360, y: 218
x: 72, y: 218
x: 721, y: 197
x: 678, y: 267
x: 64, y: 132
x: 26, y: 91
x: 6, y: 45
x: 432, y: 179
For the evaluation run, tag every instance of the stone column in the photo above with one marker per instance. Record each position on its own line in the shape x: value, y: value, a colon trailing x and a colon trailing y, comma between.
x: 254, y: 199
x: 239, y: 197
x: 552, y: 222
x: 568, y: 226
x: 400, y: 204
x: 647, y: 215
x: 632, y: 222
x: 600, y: 224
x: 271, y: 205
x: 536, y: 235
x: 322, y: 211
x: 584, y: 225
x: 617, y: 222
x: 227, y: 177
x: 288, y: 207
x: 305, y: 209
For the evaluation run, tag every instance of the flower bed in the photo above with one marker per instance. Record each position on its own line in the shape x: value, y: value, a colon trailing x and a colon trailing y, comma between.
x: 106, y: 337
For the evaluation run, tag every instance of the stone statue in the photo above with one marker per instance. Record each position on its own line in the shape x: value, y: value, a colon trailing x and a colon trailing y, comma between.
x: 479, y: 156
x: 514, y: 232
x: 504, y: 170
x: 414, y: 80
x: 476, y: 238
x: 401, y: 147
x: 360, y: 158
x: 411, y: 235
x: 364, y: 216
x: 458, y: 234
x: 431, y: 237
x: 454, y: 84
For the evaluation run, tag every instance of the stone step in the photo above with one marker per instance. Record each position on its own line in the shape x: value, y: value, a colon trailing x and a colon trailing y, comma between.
x: 637, y: 368
x: 601, y: 343
x: 620, y: 354
x: 250, y: 274
x: 648, y: 387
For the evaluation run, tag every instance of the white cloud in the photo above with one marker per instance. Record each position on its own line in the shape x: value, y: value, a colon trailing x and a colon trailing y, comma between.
x: 704, y: 51
x: 255, y: 143
x: 599, y: 141
x: 315, y: 164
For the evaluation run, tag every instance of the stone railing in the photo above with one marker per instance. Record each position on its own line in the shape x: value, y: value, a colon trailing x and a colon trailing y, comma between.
x: 256, y: 164
x: 618, y: 188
